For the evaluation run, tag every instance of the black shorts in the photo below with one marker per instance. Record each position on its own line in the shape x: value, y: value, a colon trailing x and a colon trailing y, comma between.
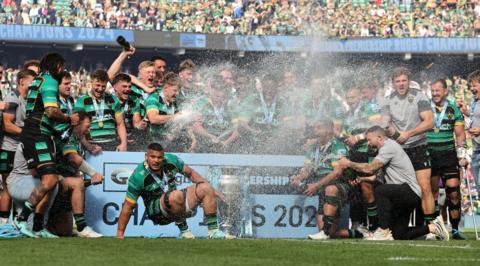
x: 343, y: 195
x: 155, y: 213
x: 445, y: 164
x: 6, y: 161
x: 420, y: 157
x: 39, y: 151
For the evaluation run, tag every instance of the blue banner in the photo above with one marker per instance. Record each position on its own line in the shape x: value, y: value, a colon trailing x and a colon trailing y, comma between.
x: 358, y: 45
x: 35, y: 33
x: 271, y: 215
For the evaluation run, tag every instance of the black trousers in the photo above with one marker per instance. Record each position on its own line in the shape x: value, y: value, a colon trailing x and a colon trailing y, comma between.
x: 395, y: 203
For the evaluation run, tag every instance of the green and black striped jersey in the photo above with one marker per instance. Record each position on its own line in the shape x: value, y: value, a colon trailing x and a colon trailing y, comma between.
x: 103, y: 112
x: 42, y: 93
x: 156, y: 101
x: 149, y: 185
x: 443, y: 137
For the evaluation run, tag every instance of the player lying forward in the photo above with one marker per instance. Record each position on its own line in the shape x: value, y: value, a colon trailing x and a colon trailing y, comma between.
x: 154, y: 181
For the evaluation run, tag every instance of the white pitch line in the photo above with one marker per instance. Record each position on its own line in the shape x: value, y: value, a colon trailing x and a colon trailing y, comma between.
x: 431, y: 259
x: 390, y: 244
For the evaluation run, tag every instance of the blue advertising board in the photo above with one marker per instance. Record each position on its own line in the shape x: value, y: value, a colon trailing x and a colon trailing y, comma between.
x: 274, y: 212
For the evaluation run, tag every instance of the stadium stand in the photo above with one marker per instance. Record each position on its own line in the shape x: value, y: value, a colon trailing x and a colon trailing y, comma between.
x: 332, y: 18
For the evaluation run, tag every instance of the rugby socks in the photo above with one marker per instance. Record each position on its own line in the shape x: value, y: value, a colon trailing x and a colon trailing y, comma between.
x: 38, y: 221
x: 4, y: 214
x: 26, y: 211
x: 437, y: 209
x: 327, y: 223
x: 455, y: 207
x: 428, y: 218
x: 211, y: 221
x: 80, y: 221
x: 372, y: 214
x: 183, y: 226
x: 352, y: 233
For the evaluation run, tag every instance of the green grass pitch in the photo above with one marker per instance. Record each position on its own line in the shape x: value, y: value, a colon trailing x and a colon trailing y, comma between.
x: 139, y: 251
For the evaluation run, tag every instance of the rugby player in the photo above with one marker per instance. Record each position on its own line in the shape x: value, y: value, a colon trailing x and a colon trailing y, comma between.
x: 410, y: 117
x: 187, y: 92
x: 400, y: 194
x: 449, y: 127
x: 361, y: 116
x: 162, y: 109
x: 70, y: 199
x: 266, y: 114
x: 322, y: 104
x: 154, y: 181
x: 107, y: 115
x: 33, y: 65
x: 160, y: 67
x: 326, y: 180
x: 214, y: 130
x: 132, y: 111
x: 43, y: 112
x: 13, y: 120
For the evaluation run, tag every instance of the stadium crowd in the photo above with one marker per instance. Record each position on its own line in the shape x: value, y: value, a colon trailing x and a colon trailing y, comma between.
x: 382, y: 146
x: 332, y: 18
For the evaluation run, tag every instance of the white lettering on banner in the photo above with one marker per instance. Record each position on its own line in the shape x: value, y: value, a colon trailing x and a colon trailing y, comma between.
x: 269, y: 180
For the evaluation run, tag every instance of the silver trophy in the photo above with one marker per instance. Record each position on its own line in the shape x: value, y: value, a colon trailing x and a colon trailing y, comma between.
x: 234, y: 215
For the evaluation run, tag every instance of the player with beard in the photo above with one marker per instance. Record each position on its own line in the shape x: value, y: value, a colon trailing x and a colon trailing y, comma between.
x: 154, y: 181
x: 327, y: 181
x: 42, y: 113
x: 449, y: 128
x: 410, y: 116
x: 107, y: 116
x: 13, y: 120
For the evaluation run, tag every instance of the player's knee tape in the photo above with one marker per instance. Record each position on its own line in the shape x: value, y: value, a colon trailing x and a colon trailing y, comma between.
x: 47, y: 170
x: 450, y: 190
x: 335, y: 201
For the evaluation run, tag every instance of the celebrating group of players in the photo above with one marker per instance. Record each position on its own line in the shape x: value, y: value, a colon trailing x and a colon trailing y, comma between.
x: 392, y: 156
x: 47, y: 132
x: 383, y: 158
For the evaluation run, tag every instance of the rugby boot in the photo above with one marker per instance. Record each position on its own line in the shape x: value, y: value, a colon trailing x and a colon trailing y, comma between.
x: 24, y: 229
x: 218, y: 234
x: 186, y: 235
x: 456, y: 235
x: 88, y: 232
x: 44, y: 233
x: 319, y: 236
